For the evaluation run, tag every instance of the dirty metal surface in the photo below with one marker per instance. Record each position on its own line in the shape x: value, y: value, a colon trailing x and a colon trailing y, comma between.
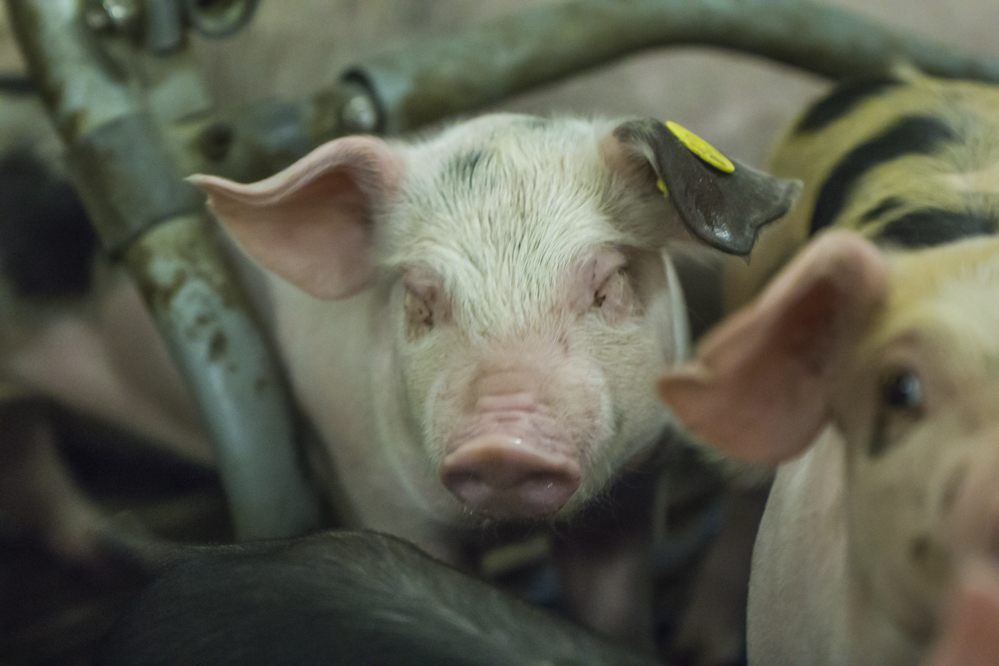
x: 427, y: 82
x: 205, y: 321
x: 126, y: 162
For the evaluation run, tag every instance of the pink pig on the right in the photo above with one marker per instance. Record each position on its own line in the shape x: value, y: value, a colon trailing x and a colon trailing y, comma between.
x: 869, y: 370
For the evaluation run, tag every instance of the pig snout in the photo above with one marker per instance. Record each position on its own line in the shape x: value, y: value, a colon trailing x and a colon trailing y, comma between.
x: 512, y: 459
x: 505, y: 477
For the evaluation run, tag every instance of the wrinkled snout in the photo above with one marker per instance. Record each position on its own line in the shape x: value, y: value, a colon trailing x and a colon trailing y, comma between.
x: 511, y: 457
x: 506, y: 477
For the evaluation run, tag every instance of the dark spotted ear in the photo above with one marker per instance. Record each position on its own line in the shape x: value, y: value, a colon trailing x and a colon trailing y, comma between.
x: 724, y: 209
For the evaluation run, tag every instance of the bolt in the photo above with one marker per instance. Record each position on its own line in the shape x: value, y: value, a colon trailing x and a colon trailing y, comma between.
x: 123, y: 15
x: 359, y: 115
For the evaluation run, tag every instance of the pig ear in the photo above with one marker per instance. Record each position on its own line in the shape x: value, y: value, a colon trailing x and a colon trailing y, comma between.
x: 311, y: 224
x: 761, y: 385
x: 723, y: 203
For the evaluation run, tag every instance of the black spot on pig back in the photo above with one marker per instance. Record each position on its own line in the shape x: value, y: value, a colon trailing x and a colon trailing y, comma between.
x: 934, y: 226
x: 463, y: 166
x: 339, y: 598
x: 885, y: 206
x: 46, y: 241
x: 841, y: 101
x: 912, y: 135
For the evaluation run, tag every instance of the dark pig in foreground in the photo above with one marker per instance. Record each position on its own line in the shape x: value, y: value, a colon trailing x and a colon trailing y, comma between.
x: 869, y: 368
x: 338, y: 599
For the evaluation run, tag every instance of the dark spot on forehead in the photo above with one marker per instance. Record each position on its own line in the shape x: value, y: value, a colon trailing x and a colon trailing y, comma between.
x: 462, y: 167
x: 912, y: 135
x: 844, y: 98
x: 934, y: 226
x: 887, y: 205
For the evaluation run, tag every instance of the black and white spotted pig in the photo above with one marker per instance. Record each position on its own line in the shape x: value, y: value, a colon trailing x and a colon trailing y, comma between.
x: 869, y: 368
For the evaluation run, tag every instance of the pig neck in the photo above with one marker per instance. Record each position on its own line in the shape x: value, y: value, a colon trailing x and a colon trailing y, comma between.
x: 340, y: 362
x: 799, y: 608
x: 808, y: 603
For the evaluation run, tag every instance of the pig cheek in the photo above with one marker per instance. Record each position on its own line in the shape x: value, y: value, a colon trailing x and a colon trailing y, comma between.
x: 588, y: 412
x: 628, y: 358
x: 430, y: 368
x: 898, y: 528
x: 970, y: 496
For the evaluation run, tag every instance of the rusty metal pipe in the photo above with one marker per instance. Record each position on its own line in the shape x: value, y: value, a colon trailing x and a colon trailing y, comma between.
x: 482, y: 65
x: 130, y: 183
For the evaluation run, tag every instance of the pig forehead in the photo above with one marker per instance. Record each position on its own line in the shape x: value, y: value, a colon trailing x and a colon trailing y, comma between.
x: 947, y: 296
x: 506, y: 217
x: 967, y: 268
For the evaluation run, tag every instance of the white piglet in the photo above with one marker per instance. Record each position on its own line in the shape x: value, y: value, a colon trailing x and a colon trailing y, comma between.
x: 474, y: 321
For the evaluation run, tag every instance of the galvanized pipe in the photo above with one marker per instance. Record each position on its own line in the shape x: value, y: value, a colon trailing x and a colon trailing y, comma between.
x: 143, y: 212
x: 480, y: 66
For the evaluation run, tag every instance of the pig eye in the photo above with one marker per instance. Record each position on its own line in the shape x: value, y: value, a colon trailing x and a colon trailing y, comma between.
x: 902, y: 390
x: 901, y: 407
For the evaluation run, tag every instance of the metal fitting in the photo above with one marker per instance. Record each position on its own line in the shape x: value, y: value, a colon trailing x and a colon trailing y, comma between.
x: 359, y: 115
x: 123, y: 15
x: 219, y: 18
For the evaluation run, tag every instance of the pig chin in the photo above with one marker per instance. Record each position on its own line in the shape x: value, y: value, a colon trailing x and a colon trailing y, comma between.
x: 512, y: 460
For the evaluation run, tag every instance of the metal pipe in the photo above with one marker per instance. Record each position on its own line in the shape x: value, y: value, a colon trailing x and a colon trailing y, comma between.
x: 480, y: 66
x: 131, y: 186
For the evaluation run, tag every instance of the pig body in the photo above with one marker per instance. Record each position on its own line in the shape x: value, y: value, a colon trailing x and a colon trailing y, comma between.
x: 392, y: 395
x: 874, y: 361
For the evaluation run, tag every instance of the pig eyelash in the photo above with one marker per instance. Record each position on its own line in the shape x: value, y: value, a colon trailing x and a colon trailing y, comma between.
x: 902, y: 403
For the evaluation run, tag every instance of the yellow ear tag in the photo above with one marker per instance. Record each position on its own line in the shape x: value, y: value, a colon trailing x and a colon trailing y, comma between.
x: 701, y: 148
x: 662, y: 188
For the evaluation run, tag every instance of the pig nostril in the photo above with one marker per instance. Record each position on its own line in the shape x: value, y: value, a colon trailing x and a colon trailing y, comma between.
x: 509, y: 481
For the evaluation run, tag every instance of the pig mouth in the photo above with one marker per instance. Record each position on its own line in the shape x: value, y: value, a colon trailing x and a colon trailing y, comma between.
x: 512, y: 461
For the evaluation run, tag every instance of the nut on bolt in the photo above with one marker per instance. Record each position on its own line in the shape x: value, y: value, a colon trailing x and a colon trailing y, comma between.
x: 359, y: 115
x: 118, y: 15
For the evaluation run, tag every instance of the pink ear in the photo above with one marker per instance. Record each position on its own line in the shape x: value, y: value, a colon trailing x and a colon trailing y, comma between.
x: 311, y: 224
x: 761, y: 385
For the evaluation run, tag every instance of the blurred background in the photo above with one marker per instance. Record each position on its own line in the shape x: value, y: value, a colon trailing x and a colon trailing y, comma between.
x: 740, y: 104
x: 293, y: 47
